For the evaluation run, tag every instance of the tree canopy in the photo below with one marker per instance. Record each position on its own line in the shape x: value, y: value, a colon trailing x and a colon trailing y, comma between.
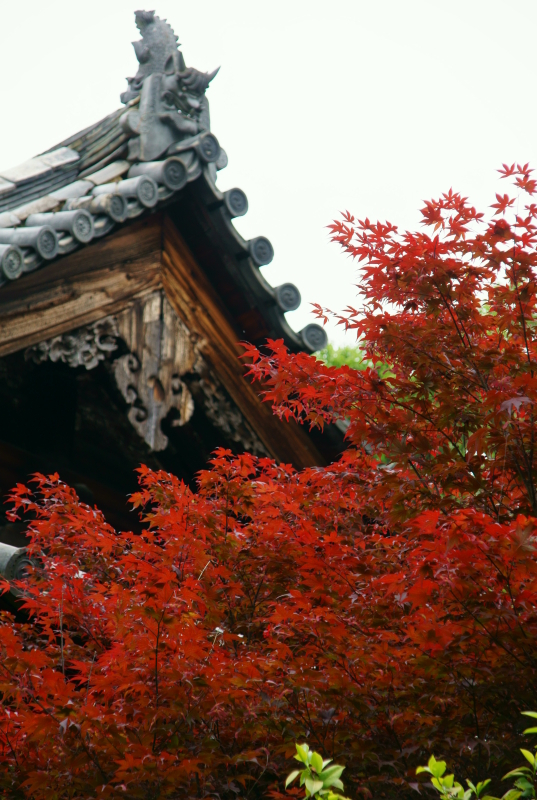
x: 381, y: 607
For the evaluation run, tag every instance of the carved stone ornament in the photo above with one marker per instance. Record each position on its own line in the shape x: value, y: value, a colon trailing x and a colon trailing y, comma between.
x: 150, y: 376
x: 172, y: 102
x: 84, y: 347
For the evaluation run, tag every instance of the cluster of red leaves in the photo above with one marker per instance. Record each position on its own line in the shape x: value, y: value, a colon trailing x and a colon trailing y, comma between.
x: 259, y: 610
x: 380, y: 608
x: 452, y: 314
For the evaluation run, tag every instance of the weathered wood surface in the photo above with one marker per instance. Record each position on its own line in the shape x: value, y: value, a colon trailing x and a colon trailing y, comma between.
x: 83, y: 287
x: 196, y: 303
x: 149, y: 377
x: 116, y: 273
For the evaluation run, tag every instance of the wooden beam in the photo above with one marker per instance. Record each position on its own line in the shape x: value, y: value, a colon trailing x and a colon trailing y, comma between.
x: 83, y: 287
x: 197, y: 304
x: 113, y: 273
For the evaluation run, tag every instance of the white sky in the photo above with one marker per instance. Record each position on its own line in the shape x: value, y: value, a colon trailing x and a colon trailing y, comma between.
x: 370, y: 105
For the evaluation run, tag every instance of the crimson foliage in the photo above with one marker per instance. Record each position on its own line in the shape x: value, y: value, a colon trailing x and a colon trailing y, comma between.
x: 382, y: 607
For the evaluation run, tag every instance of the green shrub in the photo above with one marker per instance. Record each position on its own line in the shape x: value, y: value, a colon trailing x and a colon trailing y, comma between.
x: 338, y: 356
x: 524, y: 786
x: 318, y: 778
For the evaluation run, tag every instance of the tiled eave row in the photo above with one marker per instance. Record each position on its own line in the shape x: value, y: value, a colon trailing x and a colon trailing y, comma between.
x: 81, y: 191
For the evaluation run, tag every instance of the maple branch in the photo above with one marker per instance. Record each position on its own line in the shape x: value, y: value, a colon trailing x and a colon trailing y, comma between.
x: 467, y: 346
x: 203, y: 570
x: 532, y: 442
x: 267, y: 758
x: 89, y: 678
x: 93, y: 758
x: 530, y: 489
x: 414, y: 410
x: 254, y: 604
x: 156, y: 664
x: 507, y: 581
x: 522, y: 315
x: 422, y: 480
x: 61, y: 632
x: 493, y: 638
x: 529, y: 467
x: 13, y: 753
x: 446, y: 371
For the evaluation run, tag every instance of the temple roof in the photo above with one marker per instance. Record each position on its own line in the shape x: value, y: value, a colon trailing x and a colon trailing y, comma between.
x: 156, y: 152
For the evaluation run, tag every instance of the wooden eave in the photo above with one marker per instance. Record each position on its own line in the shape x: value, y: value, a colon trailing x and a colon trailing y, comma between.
x: 108, y: 275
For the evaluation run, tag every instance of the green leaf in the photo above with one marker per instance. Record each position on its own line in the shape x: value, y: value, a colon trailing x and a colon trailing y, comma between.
x: 302, y: 751
x: 528, y: 756
x: 479, y: 788
x: 516, y: 773
x: 525, y: 785
x: 313, y: 786
x: 532, y: 714
x: 422, y: 769
x: 512, y: 794
x: 437, y: 767
x: 530, y: 730
x: 291, y: 777
x: 332, y: 773
x: 337, y: 783
x: 317, y: 762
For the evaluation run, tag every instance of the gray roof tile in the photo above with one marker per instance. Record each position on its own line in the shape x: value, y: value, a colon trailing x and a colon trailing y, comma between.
x: 9, y: 220
x: 110, y: 173
x: 6, y: 186
x: 60, y: 157
x: 26, y: 171
x: 76, y: 189
x: 40, y: 206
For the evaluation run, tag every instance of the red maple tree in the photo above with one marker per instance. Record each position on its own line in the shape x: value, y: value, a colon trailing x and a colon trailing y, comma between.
x: 381, y: 608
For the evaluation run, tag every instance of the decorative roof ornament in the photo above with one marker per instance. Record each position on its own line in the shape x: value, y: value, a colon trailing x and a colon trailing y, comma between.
x: 171, y: 96
x: 156, y: 51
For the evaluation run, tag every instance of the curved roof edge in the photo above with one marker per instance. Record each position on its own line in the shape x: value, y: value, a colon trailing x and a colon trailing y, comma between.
x: 156, y: 152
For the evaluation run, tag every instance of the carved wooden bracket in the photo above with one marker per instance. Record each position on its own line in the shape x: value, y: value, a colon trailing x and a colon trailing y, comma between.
x: 162, y: 351
x: 84, y: 347
x: 221, y: 411
x: 149, y: 377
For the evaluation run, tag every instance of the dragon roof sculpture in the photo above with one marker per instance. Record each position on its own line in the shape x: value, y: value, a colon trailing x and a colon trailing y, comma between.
x: 156, y: 51
x: 172, y: 102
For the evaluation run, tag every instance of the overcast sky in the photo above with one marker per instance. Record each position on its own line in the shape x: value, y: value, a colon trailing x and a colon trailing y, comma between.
x: 370, y: 105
